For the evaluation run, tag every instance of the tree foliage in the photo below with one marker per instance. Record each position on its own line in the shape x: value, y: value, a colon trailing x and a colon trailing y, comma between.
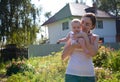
x: 47, y: 15
x: 18, y: 21
x: 111, y: 6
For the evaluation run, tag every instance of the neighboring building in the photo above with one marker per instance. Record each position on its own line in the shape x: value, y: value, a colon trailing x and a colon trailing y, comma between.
x: 59, y: 24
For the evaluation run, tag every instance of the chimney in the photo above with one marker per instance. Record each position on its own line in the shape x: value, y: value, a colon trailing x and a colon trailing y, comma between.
x: 92, y: 9
x: 95, y: 7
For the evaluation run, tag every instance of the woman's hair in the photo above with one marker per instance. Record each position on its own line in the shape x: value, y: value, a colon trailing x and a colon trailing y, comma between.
x: 92, y: 18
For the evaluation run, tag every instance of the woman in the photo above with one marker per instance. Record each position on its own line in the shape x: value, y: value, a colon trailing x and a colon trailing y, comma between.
x: 80, y: 67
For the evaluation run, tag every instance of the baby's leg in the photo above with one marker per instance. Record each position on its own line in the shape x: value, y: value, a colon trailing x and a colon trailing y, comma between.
x: 81, y: 41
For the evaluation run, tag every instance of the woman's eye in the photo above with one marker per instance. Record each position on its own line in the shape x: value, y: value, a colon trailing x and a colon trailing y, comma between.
x: 88, y: 24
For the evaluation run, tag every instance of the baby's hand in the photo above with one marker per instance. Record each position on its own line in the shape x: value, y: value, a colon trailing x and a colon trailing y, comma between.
x: 83, y: 34
x: 92, y: 38
x: 79, y: 35
x: 74, y: 36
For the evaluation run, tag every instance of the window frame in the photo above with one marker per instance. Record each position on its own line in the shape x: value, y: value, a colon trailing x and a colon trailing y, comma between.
x: 99, y: 24
x: 65, y: 25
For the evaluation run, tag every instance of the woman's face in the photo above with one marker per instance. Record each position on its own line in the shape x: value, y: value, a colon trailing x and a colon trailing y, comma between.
x: 86, y: 24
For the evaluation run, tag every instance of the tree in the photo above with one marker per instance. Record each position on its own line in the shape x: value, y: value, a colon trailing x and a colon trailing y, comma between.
x: 47, y: 15
x: 110, y: 6
x: 18, y: 21
x: 76, y: 1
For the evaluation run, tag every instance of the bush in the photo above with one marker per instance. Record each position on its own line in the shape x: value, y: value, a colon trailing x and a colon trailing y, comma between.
x: 108, y: 58
x: 102, y: 73
x: 105, y: 75
x: 113, y: 62
x: 101, y: 58
x: 18, y: 67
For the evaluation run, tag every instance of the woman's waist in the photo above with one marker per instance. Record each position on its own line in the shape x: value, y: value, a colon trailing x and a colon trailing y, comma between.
x: 80, y: 61
x: 81, y: 70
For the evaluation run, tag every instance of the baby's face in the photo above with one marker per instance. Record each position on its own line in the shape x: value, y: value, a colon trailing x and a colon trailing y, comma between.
x: 76, y: 27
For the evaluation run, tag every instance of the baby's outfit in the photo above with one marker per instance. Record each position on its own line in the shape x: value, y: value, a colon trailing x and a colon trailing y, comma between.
x: 73, y: 40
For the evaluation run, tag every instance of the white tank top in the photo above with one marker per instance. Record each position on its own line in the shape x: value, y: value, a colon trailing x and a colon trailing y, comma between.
x: 80, y: 64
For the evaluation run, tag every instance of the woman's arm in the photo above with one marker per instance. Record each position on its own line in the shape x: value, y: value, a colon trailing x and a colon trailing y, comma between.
x: 93, y: 48
x: 68, y: 49
x: 65, y: 52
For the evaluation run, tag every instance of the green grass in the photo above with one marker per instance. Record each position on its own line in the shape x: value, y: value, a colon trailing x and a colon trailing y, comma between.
x: 52, y: 69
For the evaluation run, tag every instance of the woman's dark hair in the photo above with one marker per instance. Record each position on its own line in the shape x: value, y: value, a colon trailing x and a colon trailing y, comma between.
x: 92, y: 18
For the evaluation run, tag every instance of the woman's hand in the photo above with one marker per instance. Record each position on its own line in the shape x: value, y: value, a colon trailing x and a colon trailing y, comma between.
x: 68, y: 49
x: 79, y: 35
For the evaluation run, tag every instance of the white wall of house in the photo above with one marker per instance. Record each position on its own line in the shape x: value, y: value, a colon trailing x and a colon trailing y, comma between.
x: 108, y: 32
x: 55, y: 31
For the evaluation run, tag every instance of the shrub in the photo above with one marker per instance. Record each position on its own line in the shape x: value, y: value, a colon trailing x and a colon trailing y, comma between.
x: 107, y: 58
x: 101, y: 58
x: 18, y: 67
x: 113, y: 62
x: 102, y: 73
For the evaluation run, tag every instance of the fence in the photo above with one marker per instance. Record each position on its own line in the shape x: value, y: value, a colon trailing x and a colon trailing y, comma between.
x: 46, y: 49
x: 43, y: 50
x: 112, y: 45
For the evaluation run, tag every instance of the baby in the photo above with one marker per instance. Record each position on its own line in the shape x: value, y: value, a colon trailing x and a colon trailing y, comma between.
x: 76, y: 28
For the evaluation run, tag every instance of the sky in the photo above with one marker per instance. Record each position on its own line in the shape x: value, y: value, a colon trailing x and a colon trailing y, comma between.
x: 53, y: 6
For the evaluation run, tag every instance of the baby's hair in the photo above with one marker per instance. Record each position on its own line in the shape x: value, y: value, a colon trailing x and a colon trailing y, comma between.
x: 75, y: 21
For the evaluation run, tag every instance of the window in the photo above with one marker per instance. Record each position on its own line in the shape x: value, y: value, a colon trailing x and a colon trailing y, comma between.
x: 65, y: 26
x: 99, y: 24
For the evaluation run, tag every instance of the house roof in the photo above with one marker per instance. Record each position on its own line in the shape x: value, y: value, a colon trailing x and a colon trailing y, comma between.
x: 74, y: 9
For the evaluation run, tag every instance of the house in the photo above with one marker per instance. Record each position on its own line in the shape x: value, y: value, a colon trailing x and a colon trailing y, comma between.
x: 59, y: 24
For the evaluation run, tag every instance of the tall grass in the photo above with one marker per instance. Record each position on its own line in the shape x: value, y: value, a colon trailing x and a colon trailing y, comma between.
x: 52, y: 69
x: 47, y: 69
